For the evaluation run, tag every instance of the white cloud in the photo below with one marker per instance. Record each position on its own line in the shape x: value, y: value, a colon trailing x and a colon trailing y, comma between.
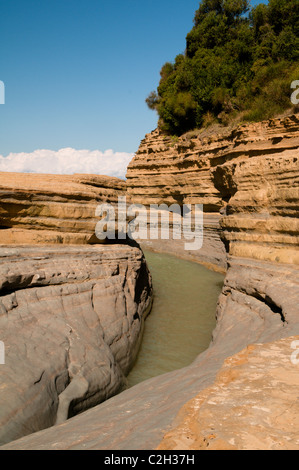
x: 68, y: 161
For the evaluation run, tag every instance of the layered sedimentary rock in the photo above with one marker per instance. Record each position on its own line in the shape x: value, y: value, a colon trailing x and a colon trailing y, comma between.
x: 255, y: 167
x: 37, y: 208
x: 249, y: 407
x: 139, y: 418
x: 71, y: 320
x: 248, y: 179
x: 260, y: 180
x: 178, y: 171
x: 168, y: 170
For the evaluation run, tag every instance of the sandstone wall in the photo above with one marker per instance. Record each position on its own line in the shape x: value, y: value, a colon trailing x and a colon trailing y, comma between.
x: 47, y: 209
x: 138, y: 418
x: 249, y: 175
x: 178, y: 171
x: 248, y: 179
x: 247, y: 407
x: 71, y: 319
x: 71, y: 315
x: 260, y: 182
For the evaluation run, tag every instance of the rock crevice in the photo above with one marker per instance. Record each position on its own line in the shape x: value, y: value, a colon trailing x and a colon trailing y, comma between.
x: 248, y: 182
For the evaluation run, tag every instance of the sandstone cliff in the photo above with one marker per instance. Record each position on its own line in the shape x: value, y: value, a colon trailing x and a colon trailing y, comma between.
x: 248, y: 174
x: 249, y: 407
x: 247, y: 179
x: 47, y: 209
x: 71, y: 320
x: 172, y: 171
x: 71, y: 317
x: 259, y: 179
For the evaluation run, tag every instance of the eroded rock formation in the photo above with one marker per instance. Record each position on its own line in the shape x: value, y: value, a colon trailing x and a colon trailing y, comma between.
x: 260, y: 180
x: 71, y: 319
x: 247, y: 180
x: 138, y: 418
x: 47, y: 209
x: 178, y: 171
x: 251, y: 405
x: 249, y: 175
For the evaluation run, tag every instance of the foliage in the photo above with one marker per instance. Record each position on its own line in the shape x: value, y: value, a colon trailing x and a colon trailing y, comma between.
x: 238, y: 59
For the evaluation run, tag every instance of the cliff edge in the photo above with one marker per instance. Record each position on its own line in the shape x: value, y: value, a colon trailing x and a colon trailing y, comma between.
x: 71, y: 314
x: 247, y: 180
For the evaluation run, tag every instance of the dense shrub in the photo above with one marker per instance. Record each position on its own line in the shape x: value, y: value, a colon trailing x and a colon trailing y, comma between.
x: 238, y: 59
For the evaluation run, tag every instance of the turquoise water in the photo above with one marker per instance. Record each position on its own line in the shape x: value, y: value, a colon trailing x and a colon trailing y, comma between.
x: 182, y: 319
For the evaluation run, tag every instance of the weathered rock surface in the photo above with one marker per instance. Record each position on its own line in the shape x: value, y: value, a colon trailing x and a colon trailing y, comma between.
x: 138, y: 418
x: 166, y: 171
x: 212, y: 253
x: 71, y: 319
x: 47, y: 209
x: 253, y: 404
x: 250, y: 174
x: 247, y: 179
x: 260, y: 181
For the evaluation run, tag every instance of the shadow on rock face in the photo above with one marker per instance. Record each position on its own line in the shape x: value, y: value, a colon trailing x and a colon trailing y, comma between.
x: 127, y: 241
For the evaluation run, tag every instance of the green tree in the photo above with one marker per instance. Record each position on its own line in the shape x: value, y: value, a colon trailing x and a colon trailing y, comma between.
x: 235, y: 59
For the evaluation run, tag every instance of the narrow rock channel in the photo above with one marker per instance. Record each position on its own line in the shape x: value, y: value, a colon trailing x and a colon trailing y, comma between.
x: 180, y: 325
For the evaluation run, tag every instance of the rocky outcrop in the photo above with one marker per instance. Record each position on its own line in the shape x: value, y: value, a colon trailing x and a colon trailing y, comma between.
x: 212, y: 253
x: 248, y: 174
x: 47, y: 209
x: 71, y: 319
x: 178, y: 171
x: 138, y: 418
x: 167, y: 170
x: 249, y: 407
x: 260, y: 181
x: 247, y: 180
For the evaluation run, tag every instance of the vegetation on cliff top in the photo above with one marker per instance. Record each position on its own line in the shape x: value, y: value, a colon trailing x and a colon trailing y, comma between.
x: 239, y: 61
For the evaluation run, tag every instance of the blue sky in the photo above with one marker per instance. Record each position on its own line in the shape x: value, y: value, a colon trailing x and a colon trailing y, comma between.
x: 77, y: 72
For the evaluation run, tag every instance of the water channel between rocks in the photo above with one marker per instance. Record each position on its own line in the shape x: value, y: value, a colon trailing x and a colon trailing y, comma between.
x: 182, y: 319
